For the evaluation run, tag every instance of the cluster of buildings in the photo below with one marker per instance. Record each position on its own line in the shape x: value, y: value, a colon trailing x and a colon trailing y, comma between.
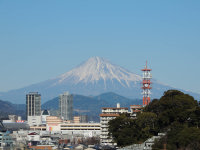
x: 109, y: 113
x: 65, y: 123
x: 41, y: 130
x: 37, y: 117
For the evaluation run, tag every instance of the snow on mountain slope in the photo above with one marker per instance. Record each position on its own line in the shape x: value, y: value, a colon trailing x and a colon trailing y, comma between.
x: 96, y: 69
x: 93, y: 77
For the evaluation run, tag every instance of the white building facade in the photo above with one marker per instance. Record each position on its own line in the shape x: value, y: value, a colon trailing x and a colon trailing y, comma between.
x: 108, y: 114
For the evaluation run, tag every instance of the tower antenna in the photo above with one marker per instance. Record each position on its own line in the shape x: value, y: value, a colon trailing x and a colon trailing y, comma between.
x: 146, y: 85
x: 146, y: 64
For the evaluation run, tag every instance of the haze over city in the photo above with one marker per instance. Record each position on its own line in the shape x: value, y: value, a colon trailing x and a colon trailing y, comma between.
x: 41, y: 40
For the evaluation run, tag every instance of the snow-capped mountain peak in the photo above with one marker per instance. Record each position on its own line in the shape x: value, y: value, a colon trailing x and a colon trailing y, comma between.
x: 96, y: 69
x: 93, y: 77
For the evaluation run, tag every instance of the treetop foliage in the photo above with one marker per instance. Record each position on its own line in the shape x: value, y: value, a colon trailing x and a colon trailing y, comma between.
x: 175, y: 113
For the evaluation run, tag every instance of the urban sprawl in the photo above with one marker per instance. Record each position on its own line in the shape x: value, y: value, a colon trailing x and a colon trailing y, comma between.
x: 41, y: 130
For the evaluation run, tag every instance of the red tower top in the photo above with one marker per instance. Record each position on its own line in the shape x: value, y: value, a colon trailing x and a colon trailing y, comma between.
x: 145, y: 68
x: 146, y: 85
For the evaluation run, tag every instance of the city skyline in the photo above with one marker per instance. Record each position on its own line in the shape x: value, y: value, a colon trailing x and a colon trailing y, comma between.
x: 51, y: 38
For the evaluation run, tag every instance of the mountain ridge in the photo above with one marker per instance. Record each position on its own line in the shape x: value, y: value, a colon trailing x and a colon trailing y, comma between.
x: 92, y: 77
x: 91, y: 106
x: 8, y: 108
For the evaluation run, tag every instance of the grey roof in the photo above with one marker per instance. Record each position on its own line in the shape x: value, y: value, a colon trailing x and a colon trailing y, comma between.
x: 16, y: 126
x: 45, y: 112
x: 2, y: 128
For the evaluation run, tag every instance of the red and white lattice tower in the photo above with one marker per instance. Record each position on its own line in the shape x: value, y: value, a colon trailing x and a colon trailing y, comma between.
x: 146, y: 85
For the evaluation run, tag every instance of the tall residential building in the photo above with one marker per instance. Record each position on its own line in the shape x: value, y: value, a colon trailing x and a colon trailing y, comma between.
x: 66, y: 106
x: 33, y: 108
x: 108, y: 114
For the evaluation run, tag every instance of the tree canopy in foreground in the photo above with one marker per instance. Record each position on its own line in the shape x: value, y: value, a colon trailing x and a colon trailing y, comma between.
x: 175, y: 113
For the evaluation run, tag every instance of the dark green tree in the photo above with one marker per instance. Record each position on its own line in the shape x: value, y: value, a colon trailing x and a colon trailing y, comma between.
x: 146, y: 122
x: 175, y: 113
x: 123, y: 130
x: 172, y: 106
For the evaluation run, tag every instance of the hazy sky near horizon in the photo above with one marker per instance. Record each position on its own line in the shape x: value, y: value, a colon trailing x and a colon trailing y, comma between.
x: 40, y: 40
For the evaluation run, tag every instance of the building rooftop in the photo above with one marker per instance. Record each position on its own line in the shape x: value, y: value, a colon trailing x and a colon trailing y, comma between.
x: 109, y: 115
x: 45, y: 112
x: 114, y: 108
x: 33, y: 93
x: 33, y: 133
x: 14, y: 126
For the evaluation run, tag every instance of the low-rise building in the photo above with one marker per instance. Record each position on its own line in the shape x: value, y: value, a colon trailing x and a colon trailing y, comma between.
x: 53, y: 123
x: 81, y: 119
x: 56, y: 125
x: 135, y: 109
x: 5, y: 140
x: 13, y: 118
x: 85, y: 129
x: 38, y: 128
x: 33, y: 138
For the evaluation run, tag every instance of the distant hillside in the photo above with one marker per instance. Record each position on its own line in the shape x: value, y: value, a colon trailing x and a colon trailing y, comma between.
x: 83, y: 105
x: 91, y: 106
x: 7, y: 108
x: 113, y: 98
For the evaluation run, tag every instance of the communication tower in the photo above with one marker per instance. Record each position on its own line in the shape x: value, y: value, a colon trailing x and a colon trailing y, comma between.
x: 146, y: 85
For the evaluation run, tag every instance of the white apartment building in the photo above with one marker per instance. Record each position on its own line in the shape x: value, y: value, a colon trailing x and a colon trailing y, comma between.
x: 108, y: 114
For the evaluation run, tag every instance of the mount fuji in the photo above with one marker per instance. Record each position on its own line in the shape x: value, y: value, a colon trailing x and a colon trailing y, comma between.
x: 92, y: 77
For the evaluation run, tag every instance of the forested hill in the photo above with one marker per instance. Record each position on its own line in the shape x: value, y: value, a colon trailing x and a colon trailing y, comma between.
x: 7, y: 108
x: 175, y: 113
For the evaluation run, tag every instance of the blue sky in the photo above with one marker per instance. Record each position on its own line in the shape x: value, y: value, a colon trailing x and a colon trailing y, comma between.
x: 43, y: 39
